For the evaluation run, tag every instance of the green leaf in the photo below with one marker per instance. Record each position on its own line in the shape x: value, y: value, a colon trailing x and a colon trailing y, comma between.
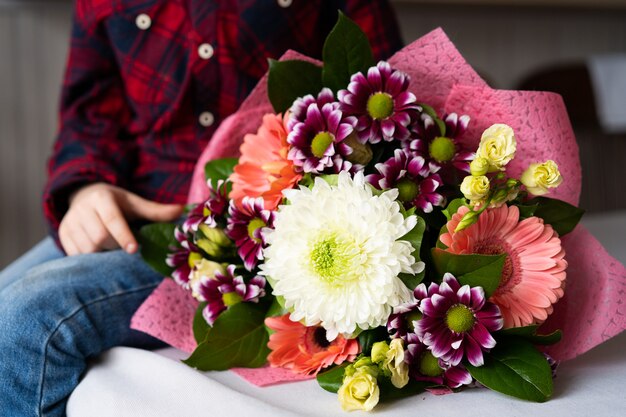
x: 414, y: 237
x: 346, y: 52
x: 473, y: 270
x: 440, y: 244
x: 289, y: 80
x: 562, y: 216
x: 219, y: 169
x: 238, y: 338
x: 526, y: 211
x: 155, y: 240
x: 389, y: 393
x: 367, y: 338
x: 201, y: 328
x: 530, y: 333
x: 453, y: 207
x: 332, y: 379
x: 514, y: 367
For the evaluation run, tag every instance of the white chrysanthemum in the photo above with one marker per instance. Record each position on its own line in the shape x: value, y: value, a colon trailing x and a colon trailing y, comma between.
x: 335, y: 255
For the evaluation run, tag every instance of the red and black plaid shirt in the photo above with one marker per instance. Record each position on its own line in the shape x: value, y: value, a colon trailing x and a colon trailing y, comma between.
x: 148, y: 82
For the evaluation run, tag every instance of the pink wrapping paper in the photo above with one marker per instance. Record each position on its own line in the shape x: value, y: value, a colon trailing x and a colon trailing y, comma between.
x: 592, y: 309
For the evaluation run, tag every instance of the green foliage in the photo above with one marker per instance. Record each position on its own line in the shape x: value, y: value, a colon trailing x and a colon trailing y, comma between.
x: 562, y: 216
x: 414, y: 237
x: 514, y: 367
x: 346, y: 52
x: 201, y: 328
x: 530, y: 333
x: 332, y: 379
x: 237, y: 339
x: 473, y: 270
x: 289, y: 80
x: 219, y: 169
x: 155, y: 240
x: 452, y: 207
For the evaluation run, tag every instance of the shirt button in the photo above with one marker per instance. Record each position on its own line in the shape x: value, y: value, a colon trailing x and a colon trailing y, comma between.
x: 205, y: 51
x: 285, y: 3
x: 206, y: 119
x: 143, y: 21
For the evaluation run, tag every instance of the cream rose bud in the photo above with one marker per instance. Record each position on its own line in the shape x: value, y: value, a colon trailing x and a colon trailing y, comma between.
x: 204, y: 268
x: 475, y: 189
x: 360, y: 391
x: 539, y: 178
x: 395, y: 363
x: 479, y: 166
x: 497, y: 146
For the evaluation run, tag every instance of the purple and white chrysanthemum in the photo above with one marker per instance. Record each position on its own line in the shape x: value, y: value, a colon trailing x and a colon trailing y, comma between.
x: 380, y: 101
x: 212, y: 208
x: 245, y: 227
x: 457, y: 322
x: 300, y: 105
x: 318, y: 141
x: 226, y: 289
x: 442, y: 149
x: 183, y: 258
x: 416, y: 180
x: 423, y: 366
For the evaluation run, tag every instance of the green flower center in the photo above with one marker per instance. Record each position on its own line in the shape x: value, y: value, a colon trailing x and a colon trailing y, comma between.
x: 193, y: 259
x: 408, y: 190
x: 253, y: 226
x: 332, y: 257
x: 429, y: 365
x: 411, y: 317
x: 206, y: 212
x: 231, y: 298
x: 442, y: 149
x: 460, y: 318
x: 380, y: 106
x: 320, y: 143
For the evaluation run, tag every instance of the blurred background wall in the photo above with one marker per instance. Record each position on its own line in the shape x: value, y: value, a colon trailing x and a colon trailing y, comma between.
x: 512, y: 43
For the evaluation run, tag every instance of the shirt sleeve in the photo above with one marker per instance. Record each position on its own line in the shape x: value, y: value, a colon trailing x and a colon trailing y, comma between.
x: 91, y: 144
x: 378, y: 20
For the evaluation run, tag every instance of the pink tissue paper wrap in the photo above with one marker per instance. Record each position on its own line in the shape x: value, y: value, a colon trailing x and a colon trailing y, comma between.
x: 593, y: 308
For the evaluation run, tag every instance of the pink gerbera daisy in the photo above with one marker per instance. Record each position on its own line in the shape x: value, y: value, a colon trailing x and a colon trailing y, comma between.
x: 306, y: 350
x: 534, y: 273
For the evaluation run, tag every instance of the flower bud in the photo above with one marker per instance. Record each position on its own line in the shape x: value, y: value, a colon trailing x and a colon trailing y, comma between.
x: 394, y: 362
x: 468, y: 219
x: 539, y: 178
x: 379, y: 351
x: 215, y: 241
x: 497, y: 146
x: 475, y: 189
x: 359, y: 391
x: 479, y: 166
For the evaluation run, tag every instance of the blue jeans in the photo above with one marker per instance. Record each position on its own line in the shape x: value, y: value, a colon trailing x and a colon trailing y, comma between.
x: 56, y: 312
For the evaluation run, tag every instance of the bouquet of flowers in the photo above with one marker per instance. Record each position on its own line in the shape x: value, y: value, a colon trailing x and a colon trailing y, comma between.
x: 371, y: 239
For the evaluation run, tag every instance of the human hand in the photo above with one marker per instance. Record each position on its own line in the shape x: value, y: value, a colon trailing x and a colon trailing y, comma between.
x: 97, y: 218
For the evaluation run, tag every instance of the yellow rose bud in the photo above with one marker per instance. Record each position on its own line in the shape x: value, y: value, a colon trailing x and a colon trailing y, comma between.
x: 204, y: 268
x: 539, y: 178
x: 497, y: 146
x: 216, y: 235
x: 359, y: 391
x: 468, y: 219
x: 479, y: 166
x: 475, y: 189
x: 361, y: 152
x: 379, y: 351
x: 394, y: 362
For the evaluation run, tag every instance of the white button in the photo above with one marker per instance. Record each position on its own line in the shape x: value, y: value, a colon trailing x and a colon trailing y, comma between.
x: 143, y: 21
x: 206, y: 118
x: 285, y: 3
x: 205, y: 51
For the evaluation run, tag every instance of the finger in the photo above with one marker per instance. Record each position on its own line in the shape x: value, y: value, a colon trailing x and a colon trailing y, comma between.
x: 113, y: 219
x: 99, y: 234
x: 82, y: 240
x: 138, y: 207
x: 66, y: 241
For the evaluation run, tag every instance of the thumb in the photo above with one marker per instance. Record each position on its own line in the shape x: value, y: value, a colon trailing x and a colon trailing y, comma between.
x: 136, y: 207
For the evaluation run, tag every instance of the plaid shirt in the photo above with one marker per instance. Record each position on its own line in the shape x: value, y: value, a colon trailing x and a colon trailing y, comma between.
x: 148, y: 82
